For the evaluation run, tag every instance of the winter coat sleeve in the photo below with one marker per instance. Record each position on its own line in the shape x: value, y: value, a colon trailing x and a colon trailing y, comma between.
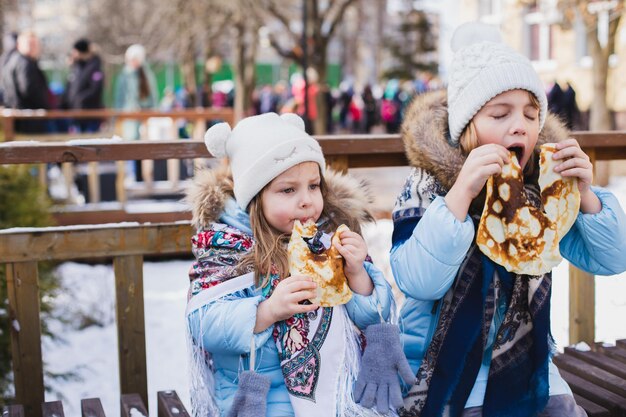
x: 428, y: 242
x: 227, y: 325
x: 364, y: 310
x: 596, y: 243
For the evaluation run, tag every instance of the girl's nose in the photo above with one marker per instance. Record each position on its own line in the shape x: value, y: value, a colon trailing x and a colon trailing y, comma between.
x: 519, y: 126
x: 305, y: 200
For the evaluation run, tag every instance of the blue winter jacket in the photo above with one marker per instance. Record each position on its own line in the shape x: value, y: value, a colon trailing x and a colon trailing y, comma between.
x: 425, y: 263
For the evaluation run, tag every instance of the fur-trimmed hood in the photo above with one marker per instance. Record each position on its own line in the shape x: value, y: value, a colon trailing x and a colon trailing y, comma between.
x: 426, y: 141
x: 213, y: 188
x: 426, y: 137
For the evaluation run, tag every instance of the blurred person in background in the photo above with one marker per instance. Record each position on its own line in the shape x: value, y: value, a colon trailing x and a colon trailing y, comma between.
x: 9, y: 47
x: 370, y: 107
x: 24, y: 83
x: 84, y: 84
x: 135, y: 89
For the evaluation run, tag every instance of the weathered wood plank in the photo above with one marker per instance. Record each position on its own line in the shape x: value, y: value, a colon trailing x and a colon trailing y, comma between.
x: 91, y: 407
x: 582, y: 316
x: 592, y: 409
x: 131, y: 325
x: 23, y: 292
x: 600, y: 360
x: 13, y: 411
x: 60, y: 243
x: 170, y: 405
x: 616, y: 352
x: 607, y: 399
x: 69, y: 218
x: 52, y: 409
x: 592, y: 373
x: 361, y: 150
x: 133, y: 406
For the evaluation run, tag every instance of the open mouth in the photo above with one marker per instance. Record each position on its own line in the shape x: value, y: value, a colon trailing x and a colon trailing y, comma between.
x: 519, y: 152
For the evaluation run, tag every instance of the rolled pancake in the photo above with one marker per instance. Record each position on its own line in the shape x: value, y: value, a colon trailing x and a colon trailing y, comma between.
x: 326, y: 267
x: 513, y: 233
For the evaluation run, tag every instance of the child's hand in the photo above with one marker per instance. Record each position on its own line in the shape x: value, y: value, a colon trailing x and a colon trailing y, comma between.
x: 576, y: 163
x: 288, y: 294
x: 481, y: 163
x: 352, y: 247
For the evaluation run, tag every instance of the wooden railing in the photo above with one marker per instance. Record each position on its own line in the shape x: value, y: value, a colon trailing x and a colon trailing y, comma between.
x: 112, y: 126
x: 126, y: 245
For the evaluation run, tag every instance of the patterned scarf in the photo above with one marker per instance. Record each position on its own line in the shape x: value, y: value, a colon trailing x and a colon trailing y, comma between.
x: 518, y: 375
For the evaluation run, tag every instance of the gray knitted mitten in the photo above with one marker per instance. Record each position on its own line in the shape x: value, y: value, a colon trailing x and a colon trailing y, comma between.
x: 251, y: 396
x: 382, y: 361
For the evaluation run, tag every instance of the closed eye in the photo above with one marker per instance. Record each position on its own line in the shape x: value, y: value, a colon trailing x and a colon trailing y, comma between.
x: 499, y: 116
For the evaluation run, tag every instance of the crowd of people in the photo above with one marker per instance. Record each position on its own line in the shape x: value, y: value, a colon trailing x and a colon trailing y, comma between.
x: 349, y: 110
x: 23, y: 85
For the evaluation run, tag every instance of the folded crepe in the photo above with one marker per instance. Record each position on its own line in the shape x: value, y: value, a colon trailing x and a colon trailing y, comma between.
x: 311, y: 253
x: 515, y: 234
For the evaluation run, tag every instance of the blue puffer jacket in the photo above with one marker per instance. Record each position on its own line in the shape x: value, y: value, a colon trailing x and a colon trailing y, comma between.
x: 438, y: 244
x: 226, y: 325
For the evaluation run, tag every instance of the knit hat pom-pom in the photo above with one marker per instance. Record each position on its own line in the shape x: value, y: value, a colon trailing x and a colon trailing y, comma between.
x: 474, y: 32
x: 293, y: 119
x: 215, y: 139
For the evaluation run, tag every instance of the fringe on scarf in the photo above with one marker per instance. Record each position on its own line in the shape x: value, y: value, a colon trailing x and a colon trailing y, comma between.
x: 202, y: 381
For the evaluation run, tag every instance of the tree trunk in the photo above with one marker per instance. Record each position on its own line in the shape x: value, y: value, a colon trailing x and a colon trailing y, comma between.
x: 1, y: 26
x: 244, y: 67
x: 319, y: 64
x: 189, y: 72
x: 600, y: 115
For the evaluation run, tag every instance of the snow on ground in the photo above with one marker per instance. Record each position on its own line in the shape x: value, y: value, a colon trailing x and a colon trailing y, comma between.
x: 91, y: 353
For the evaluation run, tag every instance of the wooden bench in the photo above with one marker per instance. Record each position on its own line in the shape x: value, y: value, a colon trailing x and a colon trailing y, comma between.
x: 597, y: 378
x: 168, y: 405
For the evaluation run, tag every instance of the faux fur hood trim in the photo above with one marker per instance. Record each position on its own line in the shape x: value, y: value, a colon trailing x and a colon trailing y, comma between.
x: 211, y: 188
x: 426, y: 137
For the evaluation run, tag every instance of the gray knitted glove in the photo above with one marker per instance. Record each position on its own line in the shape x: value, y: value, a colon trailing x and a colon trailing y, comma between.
x: 382, y: 361
x: 251, y: 396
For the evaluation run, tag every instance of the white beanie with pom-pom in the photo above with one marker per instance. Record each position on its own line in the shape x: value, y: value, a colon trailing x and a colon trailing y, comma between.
x: 483, y: 67
x: 260, y: 148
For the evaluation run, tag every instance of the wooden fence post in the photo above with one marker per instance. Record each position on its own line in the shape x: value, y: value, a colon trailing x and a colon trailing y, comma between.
x: 582, y: 306
x: 131, y: 325
x: 23, y: 291
x: 582, y: 297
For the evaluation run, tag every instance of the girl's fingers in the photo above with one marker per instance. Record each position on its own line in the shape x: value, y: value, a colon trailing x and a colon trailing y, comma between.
x: 567, y: 143
x: 299, y: 296
x: 581, y: 173
x: 572, y: 163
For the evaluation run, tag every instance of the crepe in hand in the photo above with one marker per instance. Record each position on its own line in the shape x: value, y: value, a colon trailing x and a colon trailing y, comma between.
x: 311, y: 253
x: 515, y: 234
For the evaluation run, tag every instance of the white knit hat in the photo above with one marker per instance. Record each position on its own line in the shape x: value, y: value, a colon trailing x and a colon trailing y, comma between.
x: 260, y: 148
x: 483, y: 67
